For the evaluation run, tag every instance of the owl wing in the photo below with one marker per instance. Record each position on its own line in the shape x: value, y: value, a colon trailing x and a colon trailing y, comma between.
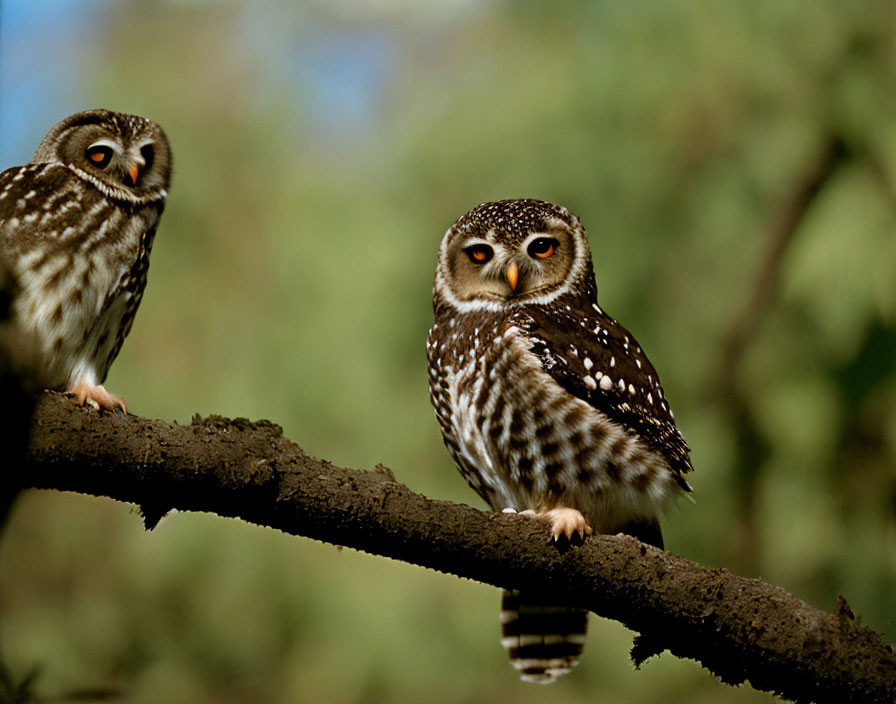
x: 31, y: 198
x: 597, y: 360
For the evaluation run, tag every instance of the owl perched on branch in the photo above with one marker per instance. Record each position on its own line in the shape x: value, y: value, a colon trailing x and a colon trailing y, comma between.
x: 76, y: 226
x: 547, y: 404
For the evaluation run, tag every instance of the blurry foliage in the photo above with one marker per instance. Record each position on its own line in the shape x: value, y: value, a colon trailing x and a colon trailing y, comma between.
x: 320, y: 154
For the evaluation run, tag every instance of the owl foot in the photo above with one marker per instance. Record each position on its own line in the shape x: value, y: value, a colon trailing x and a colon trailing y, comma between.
x: 97, y: 397
x: 564, y: 521
x: 568, y: 522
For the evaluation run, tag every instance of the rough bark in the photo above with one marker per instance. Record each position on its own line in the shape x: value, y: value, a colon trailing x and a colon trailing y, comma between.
x: 740, y: 629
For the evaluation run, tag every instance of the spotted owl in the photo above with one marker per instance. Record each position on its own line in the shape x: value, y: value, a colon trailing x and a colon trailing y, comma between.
x: 76, y: 226
x: 548, y: 406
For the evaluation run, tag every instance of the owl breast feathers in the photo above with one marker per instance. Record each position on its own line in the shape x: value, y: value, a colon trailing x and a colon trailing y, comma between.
x: 76, y: 227
x: 546, y: 403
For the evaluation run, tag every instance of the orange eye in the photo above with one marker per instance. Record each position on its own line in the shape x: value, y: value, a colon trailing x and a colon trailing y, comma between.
x: 479, y: 253
x: 542, y: 247
x: 100, y: 156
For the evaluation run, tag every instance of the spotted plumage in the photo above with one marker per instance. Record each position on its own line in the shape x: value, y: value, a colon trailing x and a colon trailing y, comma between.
x: 546, y: 403
x: 77, y: 225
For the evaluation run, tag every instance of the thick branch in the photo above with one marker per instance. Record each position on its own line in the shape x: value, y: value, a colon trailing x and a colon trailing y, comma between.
x: 740, y: 629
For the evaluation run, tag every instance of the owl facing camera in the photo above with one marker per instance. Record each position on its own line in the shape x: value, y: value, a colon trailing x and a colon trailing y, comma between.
x: 549, y: 407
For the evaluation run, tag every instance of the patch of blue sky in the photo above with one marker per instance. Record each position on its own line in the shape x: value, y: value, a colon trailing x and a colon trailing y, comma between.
x: 336, y: 73
x: 347, y: 74
x: 42, y: 48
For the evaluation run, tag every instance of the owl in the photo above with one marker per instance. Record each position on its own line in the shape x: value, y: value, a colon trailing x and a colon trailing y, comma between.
x: 548, y: 406
x: 76, y: 226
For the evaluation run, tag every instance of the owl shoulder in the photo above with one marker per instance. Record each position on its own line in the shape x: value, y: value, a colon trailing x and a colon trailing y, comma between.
x: 36, y: 200
x: 597, y: 360
x: 18, y: 181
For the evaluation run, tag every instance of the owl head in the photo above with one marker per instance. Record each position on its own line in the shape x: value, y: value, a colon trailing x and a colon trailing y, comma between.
x: 125, y: 155
x: 513, y: 252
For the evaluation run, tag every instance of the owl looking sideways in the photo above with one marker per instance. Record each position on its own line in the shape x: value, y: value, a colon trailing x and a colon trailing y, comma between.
x: 76, y: 226
x: 547, y: 404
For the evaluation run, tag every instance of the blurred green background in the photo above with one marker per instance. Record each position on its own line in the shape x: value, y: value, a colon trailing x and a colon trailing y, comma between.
x: 321, y: 150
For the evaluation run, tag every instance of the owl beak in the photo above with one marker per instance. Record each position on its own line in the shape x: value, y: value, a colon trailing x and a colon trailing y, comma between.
x: 513, y: 275
x: 134, y: 172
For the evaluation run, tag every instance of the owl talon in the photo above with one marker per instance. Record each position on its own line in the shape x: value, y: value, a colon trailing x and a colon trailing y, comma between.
x: 568, y: 522
x: 97, y: 397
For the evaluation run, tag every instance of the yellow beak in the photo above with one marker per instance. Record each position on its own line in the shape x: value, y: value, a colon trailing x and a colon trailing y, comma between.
x: 513, y: 275
x: 134, y: 171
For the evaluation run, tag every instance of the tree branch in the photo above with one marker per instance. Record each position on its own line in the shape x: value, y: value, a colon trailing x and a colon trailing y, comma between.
x: 752, y: 448
x: 832, y: 153
x: 740, y: 629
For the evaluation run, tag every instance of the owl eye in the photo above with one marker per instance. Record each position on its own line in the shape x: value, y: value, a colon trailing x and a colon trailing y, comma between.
x: 100, y: 155
x: 479, y: 253
x: 148, y: 154
x: 542, y: 247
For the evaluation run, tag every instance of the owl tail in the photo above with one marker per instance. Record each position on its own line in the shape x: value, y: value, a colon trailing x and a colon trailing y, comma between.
x: 543, y: 640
